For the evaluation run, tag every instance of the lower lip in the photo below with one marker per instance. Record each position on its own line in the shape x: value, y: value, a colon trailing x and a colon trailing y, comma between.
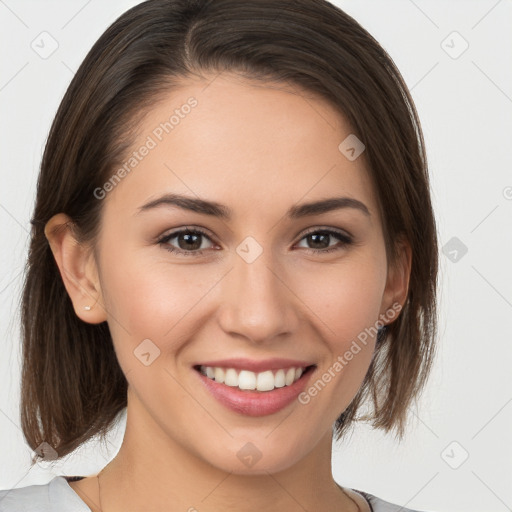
x: 255, y: 403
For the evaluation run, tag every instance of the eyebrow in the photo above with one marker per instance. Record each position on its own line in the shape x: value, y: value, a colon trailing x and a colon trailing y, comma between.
x: 223, y: 212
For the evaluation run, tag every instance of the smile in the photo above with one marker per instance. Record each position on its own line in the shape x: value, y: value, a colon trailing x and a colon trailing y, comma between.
x: 265, y: 389
x: 247, y: 380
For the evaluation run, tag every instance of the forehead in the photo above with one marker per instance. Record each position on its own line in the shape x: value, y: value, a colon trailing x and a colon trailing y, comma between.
x: 244, y: 143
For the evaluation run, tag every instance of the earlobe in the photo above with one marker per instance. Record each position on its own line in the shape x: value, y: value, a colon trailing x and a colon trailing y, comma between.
x: 77, y: 269
x: 397, y: 284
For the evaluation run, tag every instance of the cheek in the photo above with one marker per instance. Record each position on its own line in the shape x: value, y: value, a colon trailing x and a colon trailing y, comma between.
x: 150, y: 300
x: 347, y: 301
x: 347, y: 298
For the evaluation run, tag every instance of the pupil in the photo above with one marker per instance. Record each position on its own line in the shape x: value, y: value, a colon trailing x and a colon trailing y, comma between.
x: 315, y: 237
x: 188, y: 237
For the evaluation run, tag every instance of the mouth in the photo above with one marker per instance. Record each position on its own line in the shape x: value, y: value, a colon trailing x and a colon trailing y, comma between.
x: 247, y: 380
x: 254, y: 388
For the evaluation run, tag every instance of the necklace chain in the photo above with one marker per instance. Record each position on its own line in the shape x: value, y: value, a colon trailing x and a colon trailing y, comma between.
x: 351, y: 499
x: 99, y: 490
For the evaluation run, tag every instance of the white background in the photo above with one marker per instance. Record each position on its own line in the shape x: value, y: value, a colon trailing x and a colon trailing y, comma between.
x: 465, y: 105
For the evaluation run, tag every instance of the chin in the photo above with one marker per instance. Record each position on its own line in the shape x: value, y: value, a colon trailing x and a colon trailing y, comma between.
x: 260, y: 454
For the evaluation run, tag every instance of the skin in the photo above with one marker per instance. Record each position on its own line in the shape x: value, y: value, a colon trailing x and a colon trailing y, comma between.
x: 258, y: 149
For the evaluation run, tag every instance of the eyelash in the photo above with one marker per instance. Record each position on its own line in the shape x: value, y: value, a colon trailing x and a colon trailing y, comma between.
x: 342, y: 237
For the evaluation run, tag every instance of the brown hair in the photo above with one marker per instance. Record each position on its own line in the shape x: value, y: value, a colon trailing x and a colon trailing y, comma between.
x: 72, y: 385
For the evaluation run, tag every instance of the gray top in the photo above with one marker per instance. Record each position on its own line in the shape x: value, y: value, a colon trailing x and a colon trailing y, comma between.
x: 58, y: 496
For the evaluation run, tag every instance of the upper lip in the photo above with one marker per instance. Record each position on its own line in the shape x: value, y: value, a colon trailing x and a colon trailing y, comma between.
x: 256, y: 366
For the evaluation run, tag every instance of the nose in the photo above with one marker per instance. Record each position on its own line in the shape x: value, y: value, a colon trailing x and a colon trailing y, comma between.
x: 257, y: 301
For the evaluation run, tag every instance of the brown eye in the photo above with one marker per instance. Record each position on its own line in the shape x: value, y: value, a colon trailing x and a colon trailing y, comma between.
x: 188, y: 241
x: 320, y: 240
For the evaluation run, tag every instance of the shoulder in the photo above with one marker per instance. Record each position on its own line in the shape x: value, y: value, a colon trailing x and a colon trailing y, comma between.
x: 54, y: 496
x: 25, y: 499
x: 380, y: 505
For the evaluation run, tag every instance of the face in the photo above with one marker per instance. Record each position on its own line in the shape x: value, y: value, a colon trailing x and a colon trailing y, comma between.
x: 267, y: 286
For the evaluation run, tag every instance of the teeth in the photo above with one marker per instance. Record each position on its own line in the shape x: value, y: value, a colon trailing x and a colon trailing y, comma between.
x: 279, y: 379
x: 263, y: 381
x: 231, y: 377
x: 218, y: 374
x: 290, y: 376
x: 247, y: 380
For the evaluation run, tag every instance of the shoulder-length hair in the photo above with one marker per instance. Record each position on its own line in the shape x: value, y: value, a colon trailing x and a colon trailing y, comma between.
x: 72, y: 385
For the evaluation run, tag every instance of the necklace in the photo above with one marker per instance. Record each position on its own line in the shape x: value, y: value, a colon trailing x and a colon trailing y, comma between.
x: 351, y: 499
x: 101, y: 507
x: 99, y: 489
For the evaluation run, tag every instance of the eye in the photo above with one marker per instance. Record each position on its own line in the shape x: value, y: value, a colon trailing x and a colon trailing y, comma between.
x: 189, y: 241
x: 321, y: 238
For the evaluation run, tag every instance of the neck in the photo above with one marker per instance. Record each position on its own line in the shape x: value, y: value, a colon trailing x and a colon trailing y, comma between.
x: 153, y: 472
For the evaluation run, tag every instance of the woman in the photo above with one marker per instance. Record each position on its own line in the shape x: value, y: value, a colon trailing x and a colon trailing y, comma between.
x: 233, y: 239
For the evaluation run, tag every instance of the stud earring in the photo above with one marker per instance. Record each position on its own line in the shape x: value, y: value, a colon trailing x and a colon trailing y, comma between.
x: 87, y: 308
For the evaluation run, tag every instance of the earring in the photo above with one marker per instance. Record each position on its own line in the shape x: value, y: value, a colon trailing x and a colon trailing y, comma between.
x: 87, y: 308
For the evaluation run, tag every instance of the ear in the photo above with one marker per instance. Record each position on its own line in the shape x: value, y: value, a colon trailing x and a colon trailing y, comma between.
x: 78, y: 269
x: 397, y: 282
